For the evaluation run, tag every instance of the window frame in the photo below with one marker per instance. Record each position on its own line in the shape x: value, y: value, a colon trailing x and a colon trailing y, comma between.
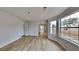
x: 59, y: 29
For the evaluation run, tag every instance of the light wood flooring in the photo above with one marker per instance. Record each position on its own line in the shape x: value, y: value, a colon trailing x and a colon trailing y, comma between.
x: 33, y: 44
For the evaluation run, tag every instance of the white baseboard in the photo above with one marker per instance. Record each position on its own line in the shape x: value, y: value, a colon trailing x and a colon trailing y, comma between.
x: 10, y: 41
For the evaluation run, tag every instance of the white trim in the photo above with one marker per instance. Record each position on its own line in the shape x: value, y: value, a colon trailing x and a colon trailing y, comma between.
x: 10, y: 42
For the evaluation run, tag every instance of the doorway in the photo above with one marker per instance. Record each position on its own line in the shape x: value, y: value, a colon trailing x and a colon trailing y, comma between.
x: 42, y: 30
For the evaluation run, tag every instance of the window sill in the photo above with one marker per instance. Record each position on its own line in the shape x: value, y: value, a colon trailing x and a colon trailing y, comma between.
x: 70, y: 41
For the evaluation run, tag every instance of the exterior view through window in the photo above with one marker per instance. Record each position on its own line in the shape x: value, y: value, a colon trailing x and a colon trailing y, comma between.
x: 53, y: 27
x: 69, y: 27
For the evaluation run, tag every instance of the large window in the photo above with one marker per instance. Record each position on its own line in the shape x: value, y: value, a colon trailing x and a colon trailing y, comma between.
x: 53, y: 27
x: 69, y: 27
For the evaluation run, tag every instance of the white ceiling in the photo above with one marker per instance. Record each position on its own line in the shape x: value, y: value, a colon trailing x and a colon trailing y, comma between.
x: 36, y: 13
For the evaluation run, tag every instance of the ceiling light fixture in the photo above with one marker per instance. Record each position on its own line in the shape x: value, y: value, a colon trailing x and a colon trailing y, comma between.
x: 28, y: 12
x: 44, y: 8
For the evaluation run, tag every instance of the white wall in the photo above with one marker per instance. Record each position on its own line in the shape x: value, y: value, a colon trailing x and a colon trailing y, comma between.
x: 11, y: 28
x: 32, y: 28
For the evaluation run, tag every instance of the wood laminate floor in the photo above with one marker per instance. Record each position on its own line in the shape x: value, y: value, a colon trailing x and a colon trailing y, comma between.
x: 33, y: 44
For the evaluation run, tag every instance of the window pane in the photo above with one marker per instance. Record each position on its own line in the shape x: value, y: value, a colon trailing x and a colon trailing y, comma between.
x: 64, y: 28
x: 74, y: 27
x: 69, y: 27
x: 53, y: 27
x: 74, y: 34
